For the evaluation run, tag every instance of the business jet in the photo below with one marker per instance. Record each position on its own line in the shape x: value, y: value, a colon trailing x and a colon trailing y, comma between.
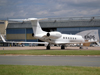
x: 54, y: 37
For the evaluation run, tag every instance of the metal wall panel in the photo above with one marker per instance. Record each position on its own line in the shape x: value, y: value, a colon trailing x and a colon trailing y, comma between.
x: 35, y: 40
x: 15, y: 36
x: 15, y: 31
x: 29, y: 30
x: 30, y: 37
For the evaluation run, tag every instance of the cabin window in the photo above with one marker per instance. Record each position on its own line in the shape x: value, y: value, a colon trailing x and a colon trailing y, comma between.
x: 63, y: 37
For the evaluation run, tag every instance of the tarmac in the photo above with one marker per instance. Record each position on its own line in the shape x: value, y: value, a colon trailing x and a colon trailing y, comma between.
x: 44, y: 48
x: 90, y: 61
x: 48, y: 60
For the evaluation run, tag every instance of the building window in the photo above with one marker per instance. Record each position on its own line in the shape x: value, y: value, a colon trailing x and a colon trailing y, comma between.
x: 1, y: 22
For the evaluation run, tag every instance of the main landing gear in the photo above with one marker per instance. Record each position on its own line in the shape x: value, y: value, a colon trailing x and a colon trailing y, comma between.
x: 81, y: 46
x: 48, y: 47
x: 63, y: 47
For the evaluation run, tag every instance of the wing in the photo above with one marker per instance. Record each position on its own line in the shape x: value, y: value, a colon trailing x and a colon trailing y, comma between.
x: 22, y: 42
x: 27, y: 42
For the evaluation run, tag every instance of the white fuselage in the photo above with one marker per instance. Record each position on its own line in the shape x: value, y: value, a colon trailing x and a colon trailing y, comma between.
x: 70, y: 39
x: 64, y: 39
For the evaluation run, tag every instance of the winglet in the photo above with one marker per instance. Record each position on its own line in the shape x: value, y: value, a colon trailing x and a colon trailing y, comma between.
x: 2, y: 38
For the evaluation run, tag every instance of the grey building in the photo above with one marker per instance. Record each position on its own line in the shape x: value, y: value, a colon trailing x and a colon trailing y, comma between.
x: 22, y: 31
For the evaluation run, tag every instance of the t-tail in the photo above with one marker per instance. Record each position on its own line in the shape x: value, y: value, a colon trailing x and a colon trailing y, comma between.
x: 36, y: 27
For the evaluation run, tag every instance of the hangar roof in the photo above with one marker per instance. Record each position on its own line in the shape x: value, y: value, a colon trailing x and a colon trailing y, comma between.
x: 61, y: 22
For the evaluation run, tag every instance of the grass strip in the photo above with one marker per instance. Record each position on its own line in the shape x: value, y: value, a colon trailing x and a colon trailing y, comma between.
x: 50, y: 52
x: 47, y: 70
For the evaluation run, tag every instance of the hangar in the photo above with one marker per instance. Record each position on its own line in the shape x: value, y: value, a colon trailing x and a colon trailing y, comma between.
x: 22, y: 31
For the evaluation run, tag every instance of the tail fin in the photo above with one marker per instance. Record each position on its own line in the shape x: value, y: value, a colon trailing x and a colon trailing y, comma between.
x: 36, y: 27
x: 35, y: 24
x: 89, y: 35
x: 2, y: 38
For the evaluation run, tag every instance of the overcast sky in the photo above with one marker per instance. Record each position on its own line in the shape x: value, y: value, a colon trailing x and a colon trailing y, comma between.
x: 48, y: 8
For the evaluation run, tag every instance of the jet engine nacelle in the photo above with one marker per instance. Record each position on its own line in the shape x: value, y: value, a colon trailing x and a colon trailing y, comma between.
x: 54, y: 35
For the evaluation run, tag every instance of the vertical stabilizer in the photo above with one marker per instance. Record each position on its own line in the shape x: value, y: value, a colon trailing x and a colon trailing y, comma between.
x: 36, y: 27
x: 35, y: 24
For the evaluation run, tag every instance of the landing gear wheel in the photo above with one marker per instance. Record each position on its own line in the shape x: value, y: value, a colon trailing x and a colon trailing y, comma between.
x: 48, y: 47
x: 80, y: 47
x: 62, y: 47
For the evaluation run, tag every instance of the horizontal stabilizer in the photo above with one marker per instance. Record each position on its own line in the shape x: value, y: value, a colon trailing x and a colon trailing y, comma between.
x: 25, y: 20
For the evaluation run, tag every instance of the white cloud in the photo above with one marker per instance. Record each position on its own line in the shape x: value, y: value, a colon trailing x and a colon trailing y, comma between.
x: 48, y: 8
